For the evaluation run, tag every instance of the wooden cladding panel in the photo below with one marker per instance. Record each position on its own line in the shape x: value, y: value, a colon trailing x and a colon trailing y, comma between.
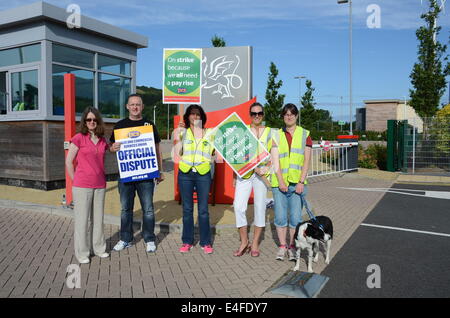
x: 21, y: 154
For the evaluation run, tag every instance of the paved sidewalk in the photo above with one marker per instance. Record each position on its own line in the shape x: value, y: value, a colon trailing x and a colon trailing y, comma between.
x: 36, y: 248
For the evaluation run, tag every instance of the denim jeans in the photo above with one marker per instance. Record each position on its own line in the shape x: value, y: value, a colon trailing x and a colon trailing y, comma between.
x: 288, y: 206
x: 127, y: 193
x: 202, y: 183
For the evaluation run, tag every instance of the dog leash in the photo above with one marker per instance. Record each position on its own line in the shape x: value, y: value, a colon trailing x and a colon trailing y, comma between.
x: 308, y: 210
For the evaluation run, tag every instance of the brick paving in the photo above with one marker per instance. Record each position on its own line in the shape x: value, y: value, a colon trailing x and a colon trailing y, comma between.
x: 36, y: 248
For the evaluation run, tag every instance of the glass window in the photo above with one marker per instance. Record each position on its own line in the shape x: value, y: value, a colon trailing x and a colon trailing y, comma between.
x: 24, y: 89
x: 114, y: 65
x: 3, y: 93
x: 84, y: 83
x: 68, y: 55
x: 112, y: 94
x: 20, y: 55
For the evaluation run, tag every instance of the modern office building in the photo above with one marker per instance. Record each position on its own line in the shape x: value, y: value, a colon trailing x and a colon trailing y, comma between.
x: 37, y: 47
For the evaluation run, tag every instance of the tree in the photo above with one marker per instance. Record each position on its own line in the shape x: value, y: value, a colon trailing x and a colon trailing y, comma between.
x: 217, y: 41
x: 307, y: 112
x: 428, y: 74
x: 274, y: 101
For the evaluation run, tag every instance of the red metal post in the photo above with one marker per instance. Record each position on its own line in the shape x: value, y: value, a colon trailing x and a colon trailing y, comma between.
x: 69, y: 125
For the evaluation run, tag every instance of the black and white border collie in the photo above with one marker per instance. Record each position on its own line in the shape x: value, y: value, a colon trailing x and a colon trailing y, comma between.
x: 307, y: 236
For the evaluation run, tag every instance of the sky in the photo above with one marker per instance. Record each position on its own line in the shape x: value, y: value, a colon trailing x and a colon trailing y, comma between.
x: 303, y: 38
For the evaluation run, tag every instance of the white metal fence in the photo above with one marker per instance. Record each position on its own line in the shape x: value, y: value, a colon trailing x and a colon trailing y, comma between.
x: 334, y: 158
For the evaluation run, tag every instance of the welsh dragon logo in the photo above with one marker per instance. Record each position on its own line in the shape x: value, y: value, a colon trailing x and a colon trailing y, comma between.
x: 220, y: 75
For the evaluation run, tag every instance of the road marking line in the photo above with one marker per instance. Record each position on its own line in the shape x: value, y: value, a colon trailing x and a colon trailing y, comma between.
x: 426, y: 193
x: 406, y: 230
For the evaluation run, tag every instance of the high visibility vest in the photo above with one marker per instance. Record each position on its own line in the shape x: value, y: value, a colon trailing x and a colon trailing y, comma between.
x: 291, y: 162
x: 266, y: 140
x: 196, y: 155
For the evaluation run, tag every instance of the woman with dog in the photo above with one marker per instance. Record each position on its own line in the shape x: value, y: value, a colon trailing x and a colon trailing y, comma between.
x: 256, y: 180
x: 88, y: 147
x: 195, y: 146
x: 292, y: 159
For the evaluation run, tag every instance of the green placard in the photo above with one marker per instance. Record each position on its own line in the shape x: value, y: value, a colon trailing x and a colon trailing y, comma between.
x: 341, y: 122
x: 235, y: 142
x: 182, y: 76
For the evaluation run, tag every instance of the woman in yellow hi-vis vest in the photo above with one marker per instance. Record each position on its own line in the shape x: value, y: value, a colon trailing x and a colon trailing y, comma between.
x: 255, y: 180
x: 195, y: 146
x: 289, y: 181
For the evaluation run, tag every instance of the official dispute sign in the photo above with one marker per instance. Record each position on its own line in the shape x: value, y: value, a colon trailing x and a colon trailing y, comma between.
x: 182, y: 72
x: 137, y: 155
x: 240, y: 149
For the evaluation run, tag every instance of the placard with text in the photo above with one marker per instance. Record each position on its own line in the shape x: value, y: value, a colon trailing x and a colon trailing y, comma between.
x: 182, y: 76
x: 136, y: 158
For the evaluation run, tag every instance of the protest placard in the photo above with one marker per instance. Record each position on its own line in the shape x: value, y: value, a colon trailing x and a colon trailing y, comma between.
x: 240, y: 149
x: 136, y: 158
x: 182, y: 76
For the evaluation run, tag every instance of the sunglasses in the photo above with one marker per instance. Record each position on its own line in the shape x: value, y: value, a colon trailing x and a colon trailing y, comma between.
x: 253, y: 114
x: 88, y: 120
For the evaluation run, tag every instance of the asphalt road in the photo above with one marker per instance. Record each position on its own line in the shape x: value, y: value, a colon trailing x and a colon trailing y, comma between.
x: 409, y: 263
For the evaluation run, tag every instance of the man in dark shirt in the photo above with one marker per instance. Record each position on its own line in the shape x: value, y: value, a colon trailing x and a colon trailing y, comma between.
x: 144, y: 188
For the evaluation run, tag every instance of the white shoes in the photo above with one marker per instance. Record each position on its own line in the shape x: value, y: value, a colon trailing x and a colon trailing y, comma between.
x: 103, y: 255
x: 121, y: 245
x: 150, y: 247
x: 84, y: 261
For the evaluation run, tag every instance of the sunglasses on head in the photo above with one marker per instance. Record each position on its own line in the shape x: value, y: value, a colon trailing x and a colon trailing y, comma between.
x: 88, y: 120
x: 254, y: 114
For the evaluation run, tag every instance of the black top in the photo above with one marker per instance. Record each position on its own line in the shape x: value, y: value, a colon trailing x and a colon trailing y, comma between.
x: 127, y: 123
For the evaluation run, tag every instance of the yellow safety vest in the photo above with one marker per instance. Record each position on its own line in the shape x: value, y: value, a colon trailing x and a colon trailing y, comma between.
x: 291, y: 162
x: 196, y: 155
x: 266, y: 140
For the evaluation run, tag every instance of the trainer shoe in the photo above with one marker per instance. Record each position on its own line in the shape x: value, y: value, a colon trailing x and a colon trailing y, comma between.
x: 150, y: 247
x: 282, y: 252
x: 121, y: 245
x: 208, y: 249
x: 103, y: 255
x: 84, y: 261
x: 185, y: 248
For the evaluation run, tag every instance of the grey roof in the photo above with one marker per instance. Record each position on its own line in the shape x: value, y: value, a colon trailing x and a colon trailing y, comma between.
x: 40, y: 11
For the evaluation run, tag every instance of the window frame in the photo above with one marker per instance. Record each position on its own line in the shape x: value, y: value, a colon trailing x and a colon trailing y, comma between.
x: 97, y: 71
x: 9, y: 106
x: 37, y: 65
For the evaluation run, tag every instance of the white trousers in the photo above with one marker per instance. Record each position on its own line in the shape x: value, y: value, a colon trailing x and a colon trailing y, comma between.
x: 242, y: 194
x: 88, y: 204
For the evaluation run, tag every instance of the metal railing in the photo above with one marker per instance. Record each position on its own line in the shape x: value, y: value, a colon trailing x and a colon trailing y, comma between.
x: 334, y: 158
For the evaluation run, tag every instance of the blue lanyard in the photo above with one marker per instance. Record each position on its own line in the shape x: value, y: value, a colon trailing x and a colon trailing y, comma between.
x: 308, y: 210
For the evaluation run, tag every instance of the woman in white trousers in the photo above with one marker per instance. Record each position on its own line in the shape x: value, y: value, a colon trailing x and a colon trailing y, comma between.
x: 257, y: 181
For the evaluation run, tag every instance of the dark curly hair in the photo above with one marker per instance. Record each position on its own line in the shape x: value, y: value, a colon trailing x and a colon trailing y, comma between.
x: 187, y: 124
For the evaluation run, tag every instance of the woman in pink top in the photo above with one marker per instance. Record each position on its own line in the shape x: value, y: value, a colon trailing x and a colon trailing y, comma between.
x: 88, y: 149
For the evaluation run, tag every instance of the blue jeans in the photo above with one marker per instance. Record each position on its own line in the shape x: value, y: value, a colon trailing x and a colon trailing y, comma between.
x: 288, y: 206
x: 127, y: 193
x: 202, y: 183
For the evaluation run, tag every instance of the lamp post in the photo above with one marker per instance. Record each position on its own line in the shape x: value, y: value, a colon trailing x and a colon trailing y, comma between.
x: 168, y: 121
x: 350, y: 58
x: 299, y: 96
x: 154, y: 114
